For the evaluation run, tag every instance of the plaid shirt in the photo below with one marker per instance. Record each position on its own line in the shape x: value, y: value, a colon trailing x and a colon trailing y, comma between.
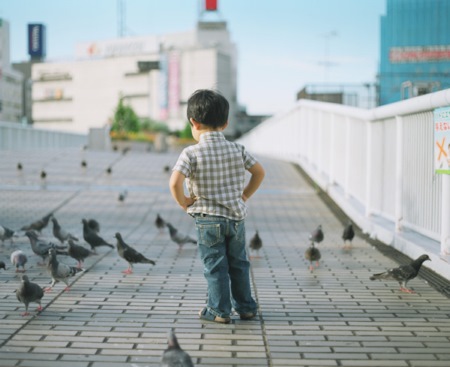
x: 215, y: 175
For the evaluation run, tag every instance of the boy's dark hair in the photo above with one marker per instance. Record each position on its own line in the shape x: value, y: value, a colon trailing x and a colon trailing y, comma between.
x: 208, y: 107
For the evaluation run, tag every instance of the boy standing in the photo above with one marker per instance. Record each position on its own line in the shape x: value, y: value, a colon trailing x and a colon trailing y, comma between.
x: 214, y: 170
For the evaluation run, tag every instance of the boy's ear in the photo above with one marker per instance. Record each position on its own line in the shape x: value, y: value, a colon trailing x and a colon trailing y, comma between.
x: 194, y: 123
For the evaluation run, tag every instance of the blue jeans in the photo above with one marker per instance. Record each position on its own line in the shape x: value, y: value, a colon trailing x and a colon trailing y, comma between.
x: 221, y: 244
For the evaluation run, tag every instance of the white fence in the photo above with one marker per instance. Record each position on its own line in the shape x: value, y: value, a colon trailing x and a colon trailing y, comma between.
x: 14, y: 136
x: 377, y: 165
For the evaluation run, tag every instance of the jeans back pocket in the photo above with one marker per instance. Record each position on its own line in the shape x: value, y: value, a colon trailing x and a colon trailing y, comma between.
x: 209, y: 234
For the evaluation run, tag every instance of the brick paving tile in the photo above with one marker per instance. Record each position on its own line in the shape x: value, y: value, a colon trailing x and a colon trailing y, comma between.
x: 331, y: 316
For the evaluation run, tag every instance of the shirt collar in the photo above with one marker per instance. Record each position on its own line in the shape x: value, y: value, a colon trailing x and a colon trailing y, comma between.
x: 212, y: 135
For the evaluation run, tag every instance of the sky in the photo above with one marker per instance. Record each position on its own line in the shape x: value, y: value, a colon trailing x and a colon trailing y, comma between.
x: 282, y: 45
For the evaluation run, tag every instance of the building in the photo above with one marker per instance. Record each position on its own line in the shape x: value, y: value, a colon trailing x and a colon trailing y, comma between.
x: 10, y: 81
x: 154, y: 74
x: 415, y: 49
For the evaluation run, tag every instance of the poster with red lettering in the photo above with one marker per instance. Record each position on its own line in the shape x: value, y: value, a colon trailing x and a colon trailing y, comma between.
x: 442, y: 140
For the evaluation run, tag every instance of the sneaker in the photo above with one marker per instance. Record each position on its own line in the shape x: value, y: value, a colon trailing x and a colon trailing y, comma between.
x: 205, y: 315
x: 247, y: 315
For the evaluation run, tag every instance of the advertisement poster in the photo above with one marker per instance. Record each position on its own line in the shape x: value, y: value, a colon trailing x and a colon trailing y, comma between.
x: 442, y: 140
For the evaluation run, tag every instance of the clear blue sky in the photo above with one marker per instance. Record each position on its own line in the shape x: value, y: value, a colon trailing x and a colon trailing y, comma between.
x: 281, y: 43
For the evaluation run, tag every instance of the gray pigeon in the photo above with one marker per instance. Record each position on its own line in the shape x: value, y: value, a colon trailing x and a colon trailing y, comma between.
x: 130, y: 255
x: 2, y: 265
x: 178, y: 237
x: 79, y: 253
x: 40, y: 247
x: 59, y: 272
x: 317, y: 236
x: 6, y: 234
x: 255, y: 244
x: 93, y: 225
x: 61, y: 234
x: 174, y: 356
x: 92, y: 238
x: 159, y: 222
x: 403, y: 274
x: 19, y: 259
x: 348, y: 234
x: 312, y: 254
x: 29, y: 292
x: 123, y: 195
x: 39, y: 225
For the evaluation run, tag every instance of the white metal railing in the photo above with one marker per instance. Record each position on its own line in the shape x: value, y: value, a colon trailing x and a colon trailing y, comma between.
x: 14, y: 136
x: 376, y: 164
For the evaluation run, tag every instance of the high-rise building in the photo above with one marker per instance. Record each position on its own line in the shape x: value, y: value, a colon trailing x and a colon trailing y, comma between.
x: 10, y: 81
x: 415, y: 49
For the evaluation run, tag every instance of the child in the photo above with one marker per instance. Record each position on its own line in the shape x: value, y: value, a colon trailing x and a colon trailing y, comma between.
x: 214, y: 170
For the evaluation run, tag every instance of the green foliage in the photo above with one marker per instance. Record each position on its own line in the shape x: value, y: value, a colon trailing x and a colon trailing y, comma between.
x: 150, y: 125
x: 186, y: 133
x: 125, y: 119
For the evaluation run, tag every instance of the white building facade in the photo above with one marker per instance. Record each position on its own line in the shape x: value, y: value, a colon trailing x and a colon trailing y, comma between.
x: 155, y: 75
x: 10, y: 81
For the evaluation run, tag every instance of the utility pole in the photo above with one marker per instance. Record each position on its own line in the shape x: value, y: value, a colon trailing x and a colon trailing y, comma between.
x: 327, y: 63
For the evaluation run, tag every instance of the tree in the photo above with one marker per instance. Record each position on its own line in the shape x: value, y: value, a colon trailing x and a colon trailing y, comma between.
x: 125, y: 119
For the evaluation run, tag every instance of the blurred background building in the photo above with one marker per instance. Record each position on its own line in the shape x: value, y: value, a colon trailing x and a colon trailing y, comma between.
x: 155, y: 74
x: 415, y: 49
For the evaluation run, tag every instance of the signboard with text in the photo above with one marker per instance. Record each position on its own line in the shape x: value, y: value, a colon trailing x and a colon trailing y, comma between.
x: 442, y: 140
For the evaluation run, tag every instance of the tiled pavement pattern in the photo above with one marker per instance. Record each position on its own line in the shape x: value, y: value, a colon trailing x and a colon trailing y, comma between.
x: 333, y: 316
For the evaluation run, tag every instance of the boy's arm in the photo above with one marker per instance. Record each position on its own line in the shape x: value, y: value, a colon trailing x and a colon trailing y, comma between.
x: 177, y: 189
x: 258, y: 173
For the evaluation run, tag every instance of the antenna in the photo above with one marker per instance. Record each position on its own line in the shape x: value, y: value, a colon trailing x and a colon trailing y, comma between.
x: 121, y: 18
x: 327, y: 63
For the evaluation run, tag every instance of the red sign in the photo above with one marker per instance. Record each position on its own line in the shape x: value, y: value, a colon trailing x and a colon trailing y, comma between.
x: 210, y: 5
x: 418, y: 54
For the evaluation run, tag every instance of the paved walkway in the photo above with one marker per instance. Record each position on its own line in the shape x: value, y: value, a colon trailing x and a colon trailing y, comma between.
x: 333, y: 316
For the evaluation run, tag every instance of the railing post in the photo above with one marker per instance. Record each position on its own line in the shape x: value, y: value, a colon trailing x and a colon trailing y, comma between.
x: 332, y: 149
x: 369, y: 168
x: 348, y: 144
x: 445, y: 215
x: 399, y: 174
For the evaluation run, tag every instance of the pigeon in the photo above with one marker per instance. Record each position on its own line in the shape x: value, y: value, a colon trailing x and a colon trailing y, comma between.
x: 109, y: 170
x: 94, y: 225
x: 19, y: 166
x: 2, y: 265
x: 40, y: 247
x: 83, y: 163
x: 39, y: 225
x: 178, y: 237
x: 79, y: 253
x: 166, y: 168
x: 159, y: 222
x: 174, y: 356
x: 312, y: 254
x: 43, y: 174
x: 60, y: 233
x: 403, y: 274
x: 19, y: 259
x: 92, y: 238
x: 255, y: 244
x: 348, y: 235
x: 317, y: 236
x: 130, y: 255
x: 123, y: 195
x: 6, y: 234
x: 60, y: 272
x: 29, y: 292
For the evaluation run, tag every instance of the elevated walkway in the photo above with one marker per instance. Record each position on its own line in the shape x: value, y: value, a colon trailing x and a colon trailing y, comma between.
x: 333, y: 316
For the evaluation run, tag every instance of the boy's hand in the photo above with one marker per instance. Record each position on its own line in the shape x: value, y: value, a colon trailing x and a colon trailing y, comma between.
x: 188, y: 201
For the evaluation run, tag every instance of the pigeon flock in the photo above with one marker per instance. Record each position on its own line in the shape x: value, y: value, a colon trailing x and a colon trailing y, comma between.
x: 71, y: 246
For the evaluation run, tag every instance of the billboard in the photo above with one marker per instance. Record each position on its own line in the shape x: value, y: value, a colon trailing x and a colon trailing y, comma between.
x: 442, y: 140
x: 210, y: 5
x: 36, y: 41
